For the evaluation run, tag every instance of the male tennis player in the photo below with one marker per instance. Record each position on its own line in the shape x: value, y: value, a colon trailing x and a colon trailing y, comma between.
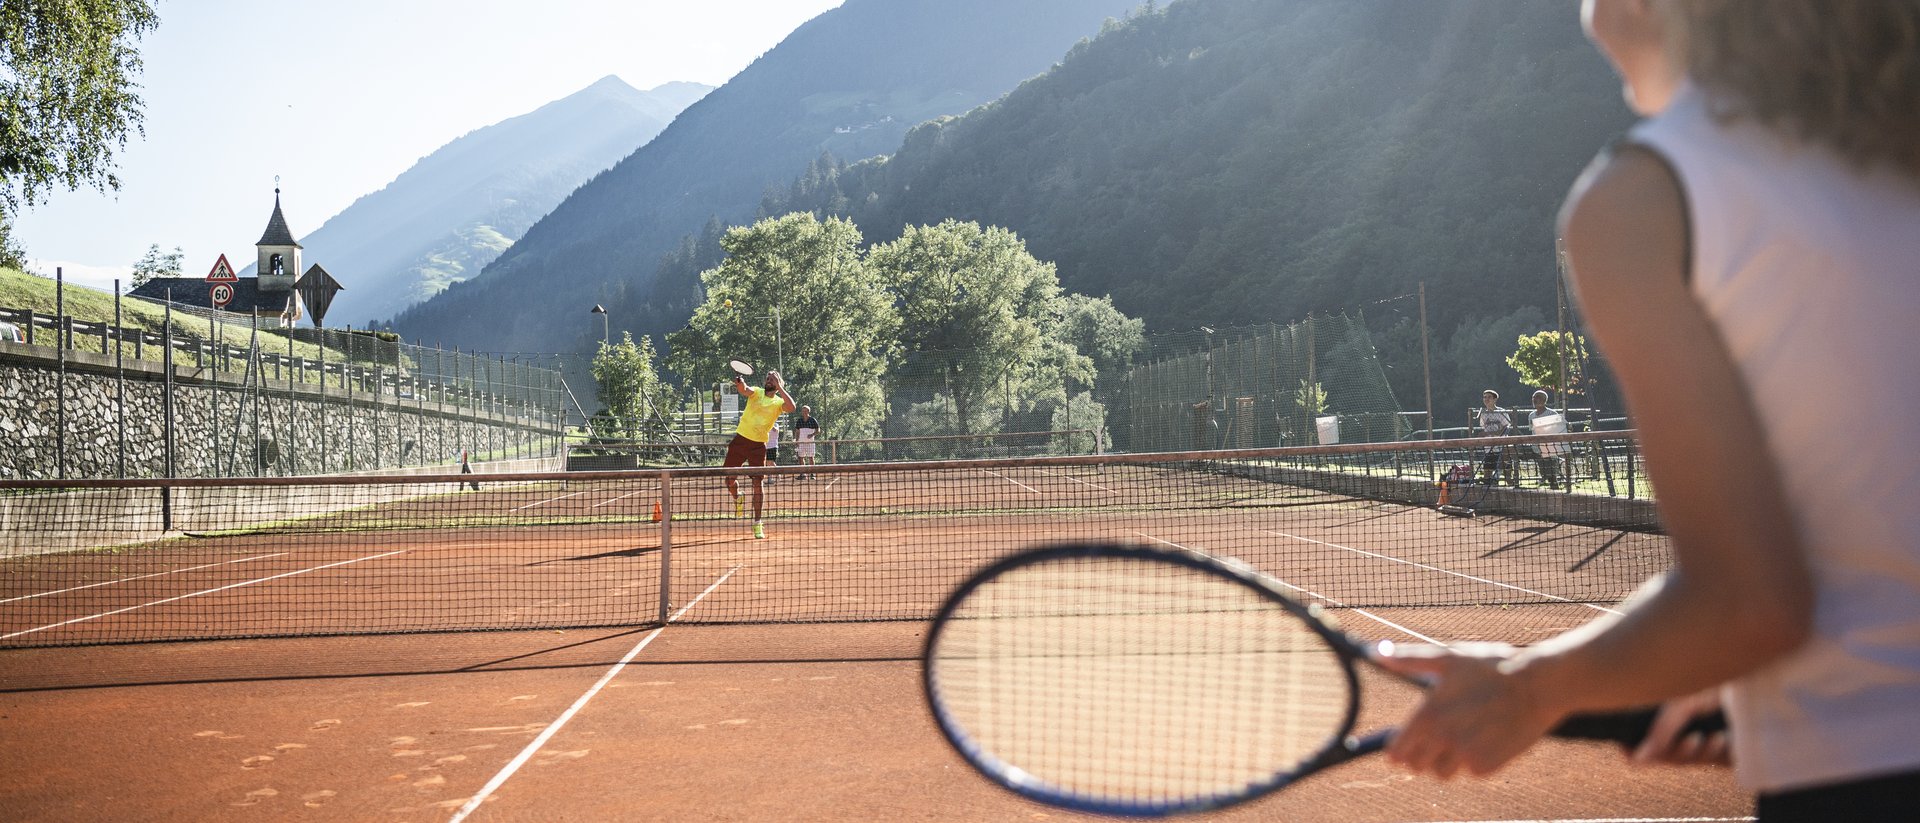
x: 763, y: 406
x: 804, y: 432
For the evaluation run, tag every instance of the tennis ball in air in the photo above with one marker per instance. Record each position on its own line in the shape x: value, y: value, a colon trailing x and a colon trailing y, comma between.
x: 729, y: 304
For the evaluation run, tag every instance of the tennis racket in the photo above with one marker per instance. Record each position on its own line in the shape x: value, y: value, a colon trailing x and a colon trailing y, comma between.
x: 1137, y: 681
x: 740, y: 368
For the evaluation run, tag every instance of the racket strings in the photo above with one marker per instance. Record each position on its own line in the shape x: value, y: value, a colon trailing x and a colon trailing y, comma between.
x: 1153, y: 682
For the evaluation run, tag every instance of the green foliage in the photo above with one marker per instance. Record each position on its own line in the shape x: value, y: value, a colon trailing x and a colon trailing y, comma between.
x: 1474, y: 359
x: 629, y: 386
x: 156, y: 263
x: 1311, y: 400
x: 1081, y: 411
x: 11, y: 255
x: 795, y: 288
x: 978, y: 318
x: 1537, y: 361
x: 1289, y: 167
x: 1101, y: 332
x: 67, y: 100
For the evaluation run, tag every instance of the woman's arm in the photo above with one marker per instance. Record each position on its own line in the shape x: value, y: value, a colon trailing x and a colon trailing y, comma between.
x: 1738, y: 596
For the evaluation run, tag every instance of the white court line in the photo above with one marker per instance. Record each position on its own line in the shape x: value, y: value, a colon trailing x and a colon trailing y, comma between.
x: 621, y: 497
x: 142, y: 577
x: 1077, y: 480
x: 527, y: 753
x: 198, y: 593
x: 1011, y: 480
x: 1442, y: 571
x: 1316, y: 595
x: 549, y: 500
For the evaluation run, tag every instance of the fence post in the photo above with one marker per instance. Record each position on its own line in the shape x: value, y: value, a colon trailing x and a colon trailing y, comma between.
x: 120, y: 385
x: 60, y: 348
x: 166, y: 357
x: 666, y: 545
x: 320, y: 340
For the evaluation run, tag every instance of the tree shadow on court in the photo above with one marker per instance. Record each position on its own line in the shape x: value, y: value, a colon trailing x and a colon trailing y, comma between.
x: 345, y: 657
x: 1534, y: 537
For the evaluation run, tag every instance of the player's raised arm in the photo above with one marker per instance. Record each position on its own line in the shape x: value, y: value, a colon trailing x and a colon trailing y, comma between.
x: 780, y: 387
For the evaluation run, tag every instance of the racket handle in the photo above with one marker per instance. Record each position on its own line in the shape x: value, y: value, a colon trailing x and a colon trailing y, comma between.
x: 1630, y: 727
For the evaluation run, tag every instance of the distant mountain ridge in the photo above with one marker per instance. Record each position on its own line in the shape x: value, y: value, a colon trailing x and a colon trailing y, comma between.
x: 457, y: 209
x: 1221, y: 162
x: 850, y: 82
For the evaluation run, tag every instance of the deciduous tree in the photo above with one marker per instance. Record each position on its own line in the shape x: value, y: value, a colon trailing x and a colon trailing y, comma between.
x: 67, y: 99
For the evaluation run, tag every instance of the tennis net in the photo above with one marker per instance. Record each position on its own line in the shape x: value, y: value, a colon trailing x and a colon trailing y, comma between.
x: 1349, y: 526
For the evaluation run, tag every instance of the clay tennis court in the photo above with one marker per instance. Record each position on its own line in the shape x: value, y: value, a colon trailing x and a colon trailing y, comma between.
x: 783, y: 686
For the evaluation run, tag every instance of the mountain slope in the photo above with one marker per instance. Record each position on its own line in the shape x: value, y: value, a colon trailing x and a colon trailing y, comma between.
x: 850, y: 81
x: 1240, y: 161
x: 458, y: 208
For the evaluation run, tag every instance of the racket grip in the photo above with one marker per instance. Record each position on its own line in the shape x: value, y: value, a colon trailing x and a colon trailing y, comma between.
x: 1630, y: 727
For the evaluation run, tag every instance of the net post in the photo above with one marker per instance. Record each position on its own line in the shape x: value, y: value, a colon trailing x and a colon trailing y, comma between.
x: 666, y: 545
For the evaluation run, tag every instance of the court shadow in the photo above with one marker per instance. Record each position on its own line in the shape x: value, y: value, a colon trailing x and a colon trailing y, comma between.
x: 1534, y: 537
x: 461, y: 653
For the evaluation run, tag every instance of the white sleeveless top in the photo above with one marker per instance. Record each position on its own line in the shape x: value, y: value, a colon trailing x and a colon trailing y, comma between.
x: 1810, y: 271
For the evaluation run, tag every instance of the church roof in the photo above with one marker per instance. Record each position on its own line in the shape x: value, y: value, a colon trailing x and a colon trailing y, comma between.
x: 277, y: 232
x: 197, y: 292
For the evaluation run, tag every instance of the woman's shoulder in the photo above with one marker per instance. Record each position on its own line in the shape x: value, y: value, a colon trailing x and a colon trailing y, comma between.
x: 1629, y: 202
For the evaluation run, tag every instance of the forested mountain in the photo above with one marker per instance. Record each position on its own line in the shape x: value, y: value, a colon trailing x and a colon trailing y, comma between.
x: 850, y: 82
x: 1215, y: 162
x: 458, y: 208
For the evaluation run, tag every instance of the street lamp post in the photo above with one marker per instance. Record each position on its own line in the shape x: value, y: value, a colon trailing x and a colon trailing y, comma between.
x: 606, y: 338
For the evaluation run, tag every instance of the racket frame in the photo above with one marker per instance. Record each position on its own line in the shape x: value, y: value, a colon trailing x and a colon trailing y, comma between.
x: 1339, y: 747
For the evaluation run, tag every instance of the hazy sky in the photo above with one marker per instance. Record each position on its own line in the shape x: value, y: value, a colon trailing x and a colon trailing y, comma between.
x: 338, y: 98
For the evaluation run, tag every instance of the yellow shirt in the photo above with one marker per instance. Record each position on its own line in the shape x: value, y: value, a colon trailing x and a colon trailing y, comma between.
x: 758, y: 414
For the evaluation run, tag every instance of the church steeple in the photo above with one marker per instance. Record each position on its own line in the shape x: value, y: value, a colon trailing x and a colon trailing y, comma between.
x: 279, y: 253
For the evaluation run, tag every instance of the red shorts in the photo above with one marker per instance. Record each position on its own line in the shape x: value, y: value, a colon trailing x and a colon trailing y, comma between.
x: 745, y: 452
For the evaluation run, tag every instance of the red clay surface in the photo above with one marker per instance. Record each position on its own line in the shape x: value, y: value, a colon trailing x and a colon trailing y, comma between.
x: 735, y: 711
x: 707, y: 723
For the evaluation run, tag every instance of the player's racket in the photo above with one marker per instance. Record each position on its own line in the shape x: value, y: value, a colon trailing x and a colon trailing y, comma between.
x: 1138, y: 681
x: 740, y: 368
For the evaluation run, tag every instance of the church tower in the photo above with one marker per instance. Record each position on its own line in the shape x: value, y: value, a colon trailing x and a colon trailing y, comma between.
x: 279, y: 263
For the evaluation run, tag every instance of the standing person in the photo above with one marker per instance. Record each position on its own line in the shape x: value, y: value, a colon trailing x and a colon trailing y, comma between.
x: 1748, y: 250
x: 762, y: 407
x: 467, y: 468
x: 1545, y: 455
x: 804, y: 431
x: 1494, y: 422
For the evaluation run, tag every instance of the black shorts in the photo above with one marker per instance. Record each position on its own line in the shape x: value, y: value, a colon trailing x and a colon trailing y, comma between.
x: 1883, y: 799
x: 773, y: 455
x: 745, y: 452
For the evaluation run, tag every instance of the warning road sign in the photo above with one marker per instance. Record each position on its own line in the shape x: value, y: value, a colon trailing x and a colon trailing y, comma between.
x: 222, y: 273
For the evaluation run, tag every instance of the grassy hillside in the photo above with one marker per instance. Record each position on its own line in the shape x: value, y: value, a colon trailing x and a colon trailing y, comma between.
x: 38, y: 294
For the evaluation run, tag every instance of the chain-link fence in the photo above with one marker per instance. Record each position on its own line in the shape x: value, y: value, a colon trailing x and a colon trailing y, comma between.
x: 1313, y: 382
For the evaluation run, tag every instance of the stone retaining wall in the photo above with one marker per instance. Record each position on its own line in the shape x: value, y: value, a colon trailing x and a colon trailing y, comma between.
x: 224, y: 428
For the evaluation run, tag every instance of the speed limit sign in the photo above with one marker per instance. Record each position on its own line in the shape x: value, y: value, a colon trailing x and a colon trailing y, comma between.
x: 222, y: 294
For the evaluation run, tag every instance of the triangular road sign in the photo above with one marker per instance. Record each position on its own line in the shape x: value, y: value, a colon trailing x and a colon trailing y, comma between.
x: 222, y: 272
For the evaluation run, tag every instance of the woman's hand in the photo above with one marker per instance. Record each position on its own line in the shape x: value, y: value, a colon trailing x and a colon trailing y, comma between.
x: 1480, y: 710
x: 1665, y: 743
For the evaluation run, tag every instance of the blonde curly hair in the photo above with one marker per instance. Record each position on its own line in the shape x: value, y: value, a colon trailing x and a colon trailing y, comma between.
x: 1844, y: 74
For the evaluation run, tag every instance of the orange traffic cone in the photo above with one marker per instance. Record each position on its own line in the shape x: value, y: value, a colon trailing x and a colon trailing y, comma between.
x: 656, y: 511
x: 1446, y: 497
